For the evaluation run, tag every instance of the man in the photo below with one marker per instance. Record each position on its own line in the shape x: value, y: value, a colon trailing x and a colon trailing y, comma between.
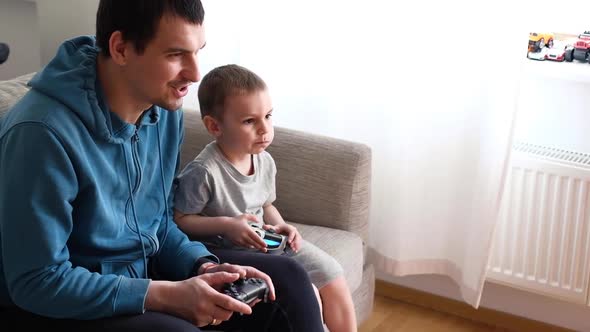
x: 87, y: 161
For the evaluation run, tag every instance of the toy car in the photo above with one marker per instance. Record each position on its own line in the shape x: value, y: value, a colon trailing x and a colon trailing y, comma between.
x: 539, y: 40
x: 539, y: 55
x: 581, y: 50
x: 560, y: 53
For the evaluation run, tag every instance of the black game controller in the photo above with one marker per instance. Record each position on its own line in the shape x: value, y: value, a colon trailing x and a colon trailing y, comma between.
x: 247, y: 290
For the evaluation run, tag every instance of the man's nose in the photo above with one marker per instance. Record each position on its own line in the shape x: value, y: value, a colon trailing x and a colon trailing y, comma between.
x: 191, y: 70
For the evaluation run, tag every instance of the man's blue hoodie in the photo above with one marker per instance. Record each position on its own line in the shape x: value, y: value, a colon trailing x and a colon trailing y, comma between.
x: 85, y: 197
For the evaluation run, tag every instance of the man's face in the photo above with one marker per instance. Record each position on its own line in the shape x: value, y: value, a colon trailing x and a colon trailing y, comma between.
x: 162, y: 74
x: 246, y: 127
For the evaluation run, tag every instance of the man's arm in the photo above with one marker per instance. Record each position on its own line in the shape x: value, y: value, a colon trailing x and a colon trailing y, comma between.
x: 38, y: 184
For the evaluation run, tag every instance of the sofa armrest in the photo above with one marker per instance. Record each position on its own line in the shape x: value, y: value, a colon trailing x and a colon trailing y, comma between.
x: 322, y: 181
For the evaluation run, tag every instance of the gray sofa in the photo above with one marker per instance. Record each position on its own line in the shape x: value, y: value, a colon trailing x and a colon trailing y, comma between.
x: 323, y: 188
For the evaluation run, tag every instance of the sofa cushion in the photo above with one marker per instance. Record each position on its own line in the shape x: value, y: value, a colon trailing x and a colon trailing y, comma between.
x: 346, y: 247
x: 12, y: 90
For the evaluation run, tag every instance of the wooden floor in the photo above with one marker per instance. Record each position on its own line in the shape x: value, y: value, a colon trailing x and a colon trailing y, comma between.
x: 390, y: 315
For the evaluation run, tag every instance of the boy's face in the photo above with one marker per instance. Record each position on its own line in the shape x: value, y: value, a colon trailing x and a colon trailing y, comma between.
x: 162, y: 74
x: 246, y: 127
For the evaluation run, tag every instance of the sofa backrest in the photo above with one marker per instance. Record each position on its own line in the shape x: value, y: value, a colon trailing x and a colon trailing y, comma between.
x: 12, y: 90
x: 322, y: 180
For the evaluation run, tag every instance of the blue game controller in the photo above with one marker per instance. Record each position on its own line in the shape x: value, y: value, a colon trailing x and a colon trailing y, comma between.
x: 275, y: 243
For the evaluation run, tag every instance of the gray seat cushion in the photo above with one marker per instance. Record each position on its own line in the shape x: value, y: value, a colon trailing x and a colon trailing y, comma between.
x: 345, y: 247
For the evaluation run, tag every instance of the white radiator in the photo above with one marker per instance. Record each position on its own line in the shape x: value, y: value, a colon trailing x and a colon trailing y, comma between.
x: 541, y: 243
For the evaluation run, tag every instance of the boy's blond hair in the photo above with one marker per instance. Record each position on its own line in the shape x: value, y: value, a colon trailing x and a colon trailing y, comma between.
x: 223, y: 82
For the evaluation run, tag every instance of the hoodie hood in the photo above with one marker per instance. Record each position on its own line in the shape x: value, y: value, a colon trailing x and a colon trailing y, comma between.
x: 71, y: 78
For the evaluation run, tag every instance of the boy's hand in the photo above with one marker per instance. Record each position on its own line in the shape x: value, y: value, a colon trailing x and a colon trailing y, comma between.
x: 242, y: 234
x: 293, y: 236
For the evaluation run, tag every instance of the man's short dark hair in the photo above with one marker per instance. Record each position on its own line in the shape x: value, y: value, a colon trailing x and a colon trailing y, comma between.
x: 223, y: 82
x: 138, y: 19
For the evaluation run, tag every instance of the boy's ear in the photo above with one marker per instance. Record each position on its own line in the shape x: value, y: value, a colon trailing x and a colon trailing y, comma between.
x: 212, y: 126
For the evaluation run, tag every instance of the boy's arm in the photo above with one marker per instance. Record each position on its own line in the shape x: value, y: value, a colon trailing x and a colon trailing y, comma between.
x: 196, y: 225
x: 192, y: 193
x: 272, y: 215
x: 236, y: 229
x: 274, y: 218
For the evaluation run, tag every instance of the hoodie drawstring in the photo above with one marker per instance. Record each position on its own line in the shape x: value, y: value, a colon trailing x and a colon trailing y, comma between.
x: 163, y: 189
x: 145, y: 268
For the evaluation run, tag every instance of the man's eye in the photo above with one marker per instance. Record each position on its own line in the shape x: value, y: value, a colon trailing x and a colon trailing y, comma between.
x: 174, y: 55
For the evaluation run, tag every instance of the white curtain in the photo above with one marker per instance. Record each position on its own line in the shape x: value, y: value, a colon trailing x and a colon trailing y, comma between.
x: 430, y: 86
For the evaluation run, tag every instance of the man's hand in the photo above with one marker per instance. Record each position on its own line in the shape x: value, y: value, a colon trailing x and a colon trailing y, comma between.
x: 196, y: 299
x: 241, y: 233
x: 293, y: 236
x: 243, y: 272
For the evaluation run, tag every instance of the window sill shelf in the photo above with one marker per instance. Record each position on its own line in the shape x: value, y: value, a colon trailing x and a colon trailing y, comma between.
x: 575, y: 71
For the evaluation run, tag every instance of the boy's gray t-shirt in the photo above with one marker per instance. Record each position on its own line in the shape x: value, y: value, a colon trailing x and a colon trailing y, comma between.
x: 211, y: 186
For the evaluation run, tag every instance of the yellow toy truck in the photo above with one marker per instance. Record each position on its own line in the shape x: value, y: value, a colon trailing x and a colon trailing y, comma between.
x: 539, y: 40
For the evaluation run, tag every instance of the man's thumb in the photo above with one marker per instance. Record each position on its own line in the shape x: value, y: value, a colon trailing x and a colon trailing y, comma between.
x: 222, y: 277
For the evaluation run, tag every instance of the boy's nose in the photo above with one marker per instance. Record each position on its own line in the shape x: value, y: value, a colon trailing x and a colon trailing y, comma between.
x: 264, y: 128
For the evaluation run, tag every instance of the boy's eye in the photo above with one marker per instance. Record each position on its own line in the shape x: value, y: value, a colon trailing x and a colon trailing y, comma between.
x: 269, y: 115
x: 173, y: 55
x: 248, y: 121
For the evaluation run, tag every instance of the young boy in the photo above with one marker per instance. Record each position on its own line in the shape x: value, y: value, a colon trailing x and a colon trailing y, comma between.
x: 231, y: 184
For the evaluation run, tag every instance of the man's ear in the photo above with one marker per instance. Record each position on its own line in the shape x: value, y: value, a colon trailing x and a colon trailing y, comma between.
x: 119, y: 48
x: 212, y: 126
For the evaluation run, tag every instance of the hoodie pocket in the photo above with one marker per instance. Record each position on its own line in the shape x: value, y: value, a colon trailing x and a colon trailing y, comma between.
x: 121, y: 268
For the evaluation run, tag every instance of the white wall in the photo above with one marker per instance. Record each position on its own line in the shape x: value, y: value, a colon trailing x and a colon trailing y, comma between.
x: 19, y: 29
x: 34, y: 29
x: 554, y: 105
x: 62, y: 19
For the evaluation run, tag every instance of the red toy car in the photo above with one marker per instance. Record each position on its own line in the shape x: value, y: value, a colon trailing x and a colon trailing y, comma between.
x: 581, y: 51
x: 560, y: 53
